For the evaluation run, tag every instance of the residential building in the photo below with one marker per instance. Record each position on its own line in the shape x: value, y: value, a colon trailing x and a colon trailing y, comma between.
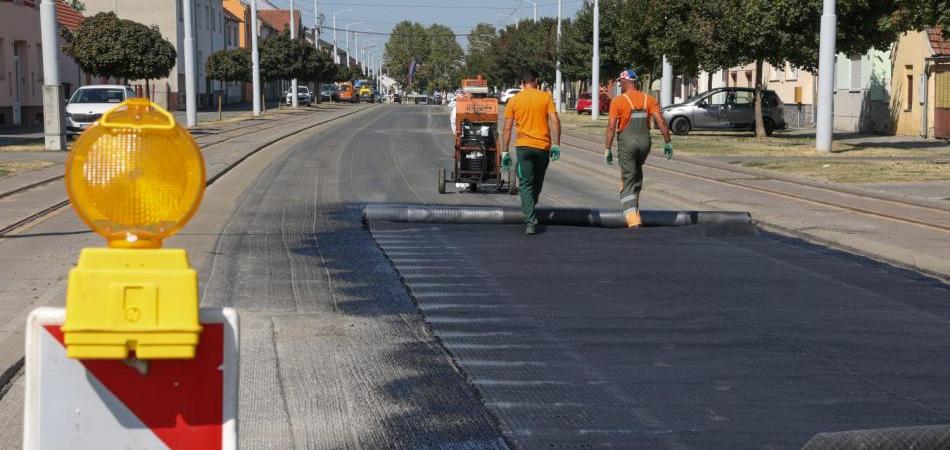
x: 921, y: 84
x: 21, y: 58
x: 862, y: 94
x: 167, y: 15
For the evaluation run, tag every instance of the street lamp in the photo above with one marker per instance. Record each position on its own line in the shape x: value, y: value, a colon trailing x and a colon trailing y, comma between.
x: 356, y: 43
x: 824, y: 123
x: 336, y: 54
x: 346, y: 35
x: 366, y: 67
x: 558, y: 83
x: 535, y: 9
x: 293, y: 35
x: 53, y: 127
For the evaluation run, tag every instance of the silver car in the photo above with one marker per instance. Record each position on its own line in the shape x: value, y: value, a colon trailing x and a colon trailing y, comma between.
x: 725, y: 109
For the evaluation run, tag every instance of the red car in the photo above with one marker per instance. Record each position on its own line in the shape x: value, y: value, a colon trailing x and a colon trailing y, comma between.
x: 584, y: 103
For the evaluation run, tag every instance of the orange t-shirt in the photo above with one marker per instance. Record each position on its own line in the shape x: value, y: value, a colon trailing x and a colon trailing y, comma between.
x: 620, y: 107
x: 530, y: 109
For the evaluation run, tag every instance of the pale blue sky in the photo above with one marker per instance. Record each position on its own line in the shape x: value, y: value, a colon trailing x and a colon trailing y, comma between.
x: 460, y: 15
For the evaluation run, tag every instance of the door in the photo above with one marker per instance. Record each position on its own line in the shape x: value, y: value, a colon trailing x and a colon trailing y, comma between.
x: 942, y: 105
x: 709, y: 112
x: 740, y: 109
x: 17, y: 91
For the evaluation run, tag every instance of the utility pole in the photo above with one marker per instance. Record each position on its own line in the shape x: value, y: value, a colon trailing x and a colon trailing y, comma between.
x: 316, y: 26
x: 666, y: 85
x: 191, y: 104
x: 558, y: 83
x: 336, y: 53
x: 293, y: 35
x: 255, y: 62
x: 53, y: 127
x: 824, y: 125
x: 595, y: 67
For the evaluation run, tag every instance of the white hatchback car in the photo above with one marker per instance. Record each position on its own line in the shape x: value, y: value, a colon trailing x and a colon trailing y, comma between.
x: 508, y: 94
x: 88, y: 103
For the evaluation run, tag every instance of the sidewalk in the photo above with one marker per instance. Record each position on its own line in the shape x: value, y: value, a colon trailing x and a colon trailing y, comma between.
x: 906, y: 223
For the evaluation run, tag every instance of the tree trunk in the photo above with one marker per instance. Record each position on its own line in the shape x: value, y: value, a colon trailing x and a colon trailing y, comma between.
x: 709, y: 78
x: 148, y: 89
x: 759, y: 124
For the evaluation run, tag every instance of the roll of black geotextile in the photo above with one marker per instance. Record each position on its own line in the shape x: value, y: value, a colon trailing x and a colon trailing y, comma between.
x: 929, y: 437
x: 583, y: 217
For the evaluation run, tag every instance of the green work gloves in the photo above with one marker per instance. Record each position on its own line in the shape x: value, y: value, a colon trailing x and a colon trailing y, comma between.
x: 608, y: 157
x: 555, y: 153
x: 668, y: 150
x: 505, y: 161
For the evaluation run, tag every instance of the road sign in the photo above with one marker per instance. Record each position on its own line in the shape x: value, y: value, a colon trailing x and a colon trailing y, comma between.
x: 106, y: 404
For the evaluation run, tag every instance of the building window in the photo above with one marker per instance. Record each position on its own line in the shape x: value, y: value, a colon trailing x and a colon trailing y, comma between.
x: 3, y: 66
x: 773, y: 73
x: 910, y: 93
x: 180, y: 11
x: 207, y: 19
x: 39, y: 58
x: 792, y: 73
x: 855, y: 83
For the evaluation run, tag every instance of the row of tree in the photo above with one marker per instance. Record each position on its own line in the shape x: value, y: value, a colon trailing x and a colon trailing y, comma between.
x: 695, y: 35
x: 437, y: 57
x: 108, y: 46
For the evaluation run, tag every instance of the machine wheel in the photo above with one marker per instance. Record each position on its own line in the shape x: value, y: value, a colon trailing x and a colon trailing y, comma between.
x: 680, y: 125
x: 441, y: 181
x: 512, y: 182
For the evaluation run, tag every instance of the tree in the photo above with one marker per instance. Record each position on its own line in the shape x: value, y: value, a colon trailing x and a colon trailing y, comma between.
x: 409, y: 41
x: 529, y: 45
x: 480, y: 59
x: 444, y: 60
x: 278, y: 57
x: 107, y: 46
x: 229, y: 66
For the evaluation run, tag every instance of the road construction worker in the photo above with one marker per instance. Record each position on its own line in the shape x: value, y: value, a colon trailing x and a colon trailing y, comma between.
x: 539, y: 137
x: 629, y: 121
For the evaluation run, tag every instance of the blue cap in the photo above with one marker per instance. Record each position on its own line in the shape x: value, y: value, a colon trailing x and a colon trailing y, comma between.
x: 628, y: 74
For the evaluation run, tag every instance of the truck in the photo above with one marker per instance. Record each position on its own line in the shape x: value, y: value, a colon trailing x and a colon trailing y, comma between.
x: 348, y: 93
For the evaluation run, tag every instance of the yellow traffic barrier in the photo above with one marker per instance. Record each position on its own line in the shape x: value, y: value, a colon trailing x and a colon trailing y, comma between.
x: 135, y: 177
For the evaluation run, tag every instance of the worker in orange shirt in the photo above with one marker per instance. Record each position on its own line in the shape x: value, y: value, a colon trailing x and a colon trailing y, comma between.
x: 629, y: 122
x: 539, y: 137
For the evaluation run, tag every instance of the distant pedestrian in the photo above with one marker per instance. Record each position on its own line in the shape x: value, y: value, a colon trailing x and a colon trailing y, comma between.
x: 629, y: 121
x: 539, y: 138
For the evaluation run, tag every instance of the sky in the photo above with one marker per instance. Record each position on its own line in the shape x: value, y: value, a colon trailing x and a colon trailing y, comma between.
x: 460, y: 15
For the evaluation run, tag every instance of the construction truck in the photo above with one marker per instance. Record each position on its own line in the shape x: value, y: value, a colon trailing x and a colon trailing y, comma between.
x: 477, y: 157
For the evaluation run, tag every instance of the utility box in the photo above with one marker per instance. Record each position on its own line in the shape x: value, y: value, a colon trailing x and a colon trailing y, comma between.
x: 798, y: 95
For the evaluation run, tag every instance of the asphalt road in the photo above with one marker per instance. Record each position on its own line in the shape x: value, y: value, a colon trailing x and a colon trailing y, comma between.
x: 464, y: 337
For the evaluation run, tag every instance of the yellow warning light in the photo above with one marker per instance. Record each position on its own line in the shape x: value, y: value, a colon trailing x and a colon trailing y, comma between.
x: 136, y: 177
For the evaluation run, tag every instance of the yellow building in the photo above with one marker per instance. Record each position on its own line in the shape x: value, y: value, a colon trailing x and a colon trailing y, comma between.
x: 920, y: 78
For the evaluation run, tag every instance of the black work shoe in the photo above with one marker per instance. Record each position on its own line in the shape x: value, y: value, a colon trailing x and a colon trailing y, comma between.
x: 530, y: 229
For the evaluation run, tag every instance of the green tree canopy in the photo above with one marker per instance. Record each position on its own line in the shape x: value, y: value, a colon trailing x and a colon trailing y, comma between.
x: 444, y: 62
x: 229, y: 65
x: 408, y: 41
x: 528, y: 45
x: 105, y: 45
x: 480, y: 58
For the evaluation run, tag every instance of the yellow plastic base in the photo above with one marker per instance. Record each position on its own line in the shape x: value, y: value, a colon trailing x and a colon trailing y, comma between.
x: 141, y: 300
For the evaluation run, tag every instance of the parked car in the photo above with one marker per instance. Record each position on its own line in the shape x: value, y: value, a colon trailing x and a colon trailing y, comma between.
x: 328, y: 93
x: 725, y: 109
x: 303, y: 96
x: 507, y: 95
x: 584, y: 103
x: 88, y: 103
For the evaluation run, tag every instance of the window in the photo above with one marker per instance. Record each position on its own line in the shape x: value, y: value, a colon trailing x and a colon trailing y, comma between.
x: 39, y: 58
x: 179, y: 9
x: 855, y: 85
x: 207, y: 19
x: 792, y: 73
x: 717, y: 99
x: 773, y: 73
x: 910, y: 93
x: 743, y: 98
x: 3, y: 66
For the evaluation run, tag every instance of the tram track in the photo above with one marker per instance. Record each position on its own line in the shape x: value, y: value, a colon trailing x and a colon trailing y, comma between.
x: 736, y: 182
x: 33, y: 219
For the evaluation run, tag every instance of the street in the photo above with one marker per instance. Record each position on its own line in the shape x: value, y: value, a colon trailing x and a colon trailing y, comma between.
x: 395, y: 335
